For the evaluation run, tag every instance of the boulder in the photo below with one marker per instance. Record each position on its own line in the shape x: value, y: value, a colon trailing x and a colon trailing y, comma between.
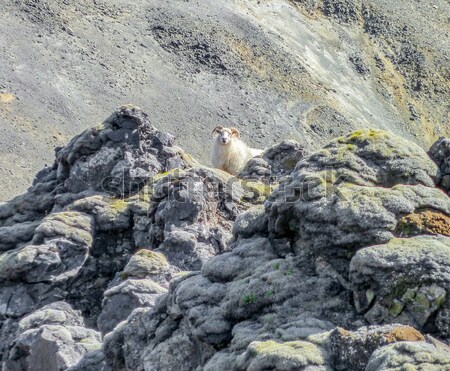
x: 81, y: 221
x: 120, y: 300
x: 352, y: 349
x: 117, y: 156
x: 52, y: 338
x: 410, y: 356
x: 353, y: 193
x: 406, y: 280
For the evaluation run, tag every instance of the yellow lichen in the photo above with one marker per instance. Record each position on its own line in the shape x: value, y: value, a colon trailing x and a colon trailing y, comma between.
x: 119, y: 205
x: 367, y: 134
x: 299, y: 351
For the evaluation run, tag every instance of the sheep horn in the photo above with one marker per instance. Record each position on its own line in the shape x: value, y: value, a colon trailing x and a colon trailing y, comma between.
x: 235, y: 132
x: 217, y: 129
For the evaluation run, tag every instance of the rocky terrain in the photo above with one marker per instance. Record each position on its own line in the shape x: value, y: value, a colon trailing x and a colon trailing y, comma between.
x: 305, y: 70
x: 127, y: 254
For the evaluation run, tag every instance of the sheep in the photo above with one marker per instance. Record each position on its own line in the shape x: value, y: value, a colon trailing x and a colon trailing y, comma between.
x: 229, y: 153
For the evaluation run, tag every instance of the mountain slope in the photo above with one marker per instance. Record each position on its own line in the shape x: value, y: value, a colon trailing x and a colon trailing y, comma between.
x: 307, y: 69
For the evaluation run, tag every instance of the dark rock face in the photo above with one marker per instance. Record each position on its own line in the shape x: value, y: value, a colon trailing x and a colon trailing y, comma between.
x: 440, y: 153
x: 340, y: 268
x: 275, y: 162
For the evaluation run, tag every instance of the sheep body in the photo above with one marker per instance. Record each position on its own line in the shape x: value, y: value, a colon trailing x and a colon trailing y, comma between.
x: 231, y: 154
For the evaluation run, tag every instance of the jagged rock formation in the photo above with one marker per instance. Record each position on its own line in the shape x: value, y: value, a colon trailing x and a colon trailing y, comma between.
x: 127, y: 254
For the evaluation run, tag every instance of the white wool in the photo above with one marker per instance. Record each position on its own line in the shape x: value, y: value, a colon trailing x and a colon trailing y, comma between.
x: 232, y: 157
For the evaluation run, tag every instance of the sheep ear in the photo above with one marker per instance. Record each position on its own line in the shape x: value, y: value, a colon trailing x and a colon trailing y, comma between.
x: 217, y: 129
x: 235, y: 132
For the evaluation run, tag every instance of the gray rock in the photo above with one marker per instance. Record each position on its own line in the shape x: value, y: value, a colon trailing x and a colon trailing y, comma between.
x: 118, y: 156
x: 192, y: 213
x: 119, y: 301
x: 146, y: 263
x: 410, y: 356
x: 57, y: 313
x: 406, y: 280
x: 353, y: 192
x: 50, y: 347
x: 192, y: 272
x: 91, y: 361
x: 289, y: 356
x: 67, y: 237
x: 52, y: 338
x: 275, y: 162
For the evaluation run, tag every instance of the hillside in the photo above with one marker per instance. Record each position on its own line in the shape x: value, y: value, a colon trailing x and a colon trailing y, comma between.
x: 308, y: 70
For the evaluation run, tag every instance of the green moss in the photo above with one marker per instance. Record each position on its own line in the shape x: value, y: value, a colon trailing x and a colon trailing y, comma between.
x: 409, y: 295
x: 90, y: 344
x: 99, y: 127
x: 119, y: 205
x: 440, y: 300
x: 405, y: 229
x: 124, y: 276
x: 151, y: 255
x: 146, y: 262
x: 367, y: 134
x: 71, y: 224
x: 289, y: 164
x: 422, y: 303
x: 249, y: 299
x: 289, y: 271
x: 177, y: 172
x: 396, y: 308
x: 182, y: 274
x: 259, y: 191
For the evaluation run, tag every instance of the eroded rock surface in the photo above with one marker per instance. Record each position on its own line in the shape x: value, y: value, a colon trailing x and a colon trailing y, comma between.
x: 176, y: 266
x: 440, y: 153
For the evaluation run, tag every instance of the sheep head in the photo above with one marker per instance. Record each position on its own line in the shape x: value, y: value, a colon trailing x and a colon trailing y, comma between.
x: 225, y: 134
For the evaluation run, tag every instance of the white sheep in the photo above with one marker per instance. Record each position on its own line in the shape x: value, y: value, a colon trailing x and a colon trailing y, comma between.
x: 229, y: 153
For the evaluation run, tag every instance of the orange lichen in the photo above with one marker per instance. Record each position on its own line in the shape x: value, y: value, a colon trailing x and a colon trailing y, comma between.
x: 424, y: 222
x: 403, y: 333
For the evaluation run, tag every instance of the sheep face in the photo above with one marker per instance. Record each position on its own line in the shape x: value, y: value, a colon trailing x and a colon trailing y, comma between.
x: 224, y: 135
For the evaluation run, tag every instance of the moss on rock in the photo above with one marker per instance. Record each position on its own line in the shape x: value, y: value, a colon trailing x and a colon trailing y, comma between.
x: 279, y: 355
x: 144, y: 263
